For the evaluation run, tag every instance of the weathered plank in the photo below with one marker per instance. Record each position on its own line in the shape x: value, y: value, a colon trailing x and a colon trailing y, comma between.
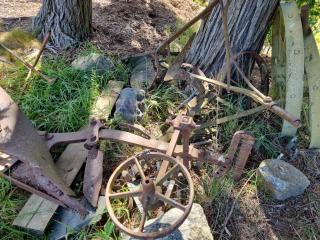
x: 294, y: 63
x: 37, y: 212
x: 312, y: 66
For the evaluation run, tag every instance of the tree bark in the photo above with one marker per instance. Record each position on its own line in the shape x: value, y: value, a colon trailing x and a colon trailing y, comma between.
x: 69, y: 21
x: 248, y: 23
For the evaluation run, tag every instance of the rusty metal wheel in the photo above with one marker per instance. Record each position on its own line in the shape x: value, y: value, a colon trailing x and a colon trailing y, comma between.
x: 135, y: 192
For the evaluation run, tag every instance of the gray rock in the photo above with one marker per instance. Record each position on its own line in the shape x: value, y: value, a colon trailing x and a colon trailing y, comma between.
x: 130, y: 104
x: 282, y: 179
x: 195, y: 227
x: 143, y: 73
x: 94, y: 61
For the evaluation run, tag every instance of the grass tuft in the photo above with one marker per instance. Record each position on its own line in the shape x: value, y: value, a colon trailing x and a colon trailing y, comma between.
x: 11, y: 200
x: 160, y: 102
x: 65, y: 105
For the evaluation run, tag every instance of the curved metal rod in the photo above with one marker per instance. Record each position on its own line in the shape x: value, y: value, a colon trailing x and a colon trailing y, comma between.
x: 117, y: 136
x: 272, y: 106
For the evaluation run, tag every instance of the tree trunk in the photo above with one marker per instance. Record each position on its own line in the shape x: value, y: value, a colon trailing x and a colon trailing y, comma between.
x: 69, y: 21
x: 248, y: 23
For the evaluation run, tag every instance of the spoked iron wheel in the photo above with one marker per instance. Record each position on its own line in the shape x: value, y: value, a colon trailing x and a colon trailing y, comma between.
x: 135, y: 193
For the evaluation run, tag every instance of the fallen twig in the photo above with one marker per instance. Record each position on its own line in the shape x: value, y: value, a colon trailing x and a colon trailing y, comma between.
x: 44, y: 43
x: 232, y: 117
x: 224, y: 16
x: 49, y: 80
x: 175, y: 35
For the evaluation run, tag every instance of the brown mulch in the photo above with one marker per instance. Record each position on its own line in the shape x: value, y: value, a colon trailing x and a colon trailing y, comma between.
x: 126, y: 27
x: 122, y: 27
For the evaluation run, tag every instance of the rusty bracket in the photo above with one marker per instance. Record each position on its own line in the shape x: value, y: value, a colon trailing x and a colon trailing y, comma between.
x: 93, y: 172
x: 246, y: 142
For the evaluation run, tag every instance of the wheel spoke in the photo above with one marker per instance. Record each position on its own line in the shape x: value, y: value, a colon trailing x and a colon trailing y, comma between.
x: 142, y: 221
x: 167, y: 175
x: 139, y: 168
x: 170, y: 201
x: 125, y: 194
x: 170, y: 188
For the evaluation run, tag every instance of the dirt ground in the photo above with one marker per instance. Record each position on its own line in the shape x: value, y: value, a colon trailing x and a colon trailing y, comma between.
x: 121, y: 27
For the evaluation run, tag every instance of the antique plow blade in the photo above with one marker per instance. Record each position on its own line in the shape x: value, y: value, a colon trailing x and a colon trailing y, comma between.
x: 34, y: 171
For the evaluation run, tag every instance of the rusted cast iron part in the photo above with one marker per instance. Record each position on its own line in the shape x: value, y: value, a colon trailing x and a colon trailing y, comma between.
x: 34, y: 177
x: 93, y: 173
x: 185, y: 125
x: 182, y: 125
x: 20, y: 140
x: 122, y: 137
x: 242, y: 142
x: 135, y: 127
x: 246, y: 142
x: 93, y: 134
x: 31, y: 189
x: 149, y: 193
x: 204, y: 93
x: 245, y: 149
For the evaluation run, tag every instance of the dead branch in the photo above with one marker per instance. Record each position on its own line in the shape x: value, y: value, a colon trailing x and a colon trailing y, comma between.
x: 175, y: 35
x: 224, y: 16
x: 233, y: 117
x: 44, y: 43
x: 27, y: 65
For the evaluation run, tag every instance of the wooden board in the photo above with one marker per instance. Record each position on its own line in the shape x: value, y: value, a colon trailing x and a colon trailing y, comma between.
x: 37, y: 212
x: 294, y: 63
x: 312, y: 66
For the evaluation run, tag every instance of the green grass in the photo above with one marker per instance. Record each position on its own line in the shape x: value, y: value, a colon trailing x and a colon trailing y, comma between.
x: 11, y: 200
x: 259, y: 125
x: 160, y: 102
x: 65, y: 105
x: 181, y: 41
x: 201, y: 2
x: 61, y: 107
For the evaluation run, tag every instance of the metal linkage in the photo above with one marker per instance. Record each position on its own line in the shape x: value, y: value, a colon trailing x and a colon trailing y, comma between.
x: 32, y: 166
x: 253, y: 94
x: 246, y: 142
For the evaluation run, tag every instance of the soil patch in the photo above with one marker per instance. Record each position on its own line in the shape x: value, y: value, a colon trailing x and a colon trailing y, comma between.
x: 128, y: 27
x: 122, y: 27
